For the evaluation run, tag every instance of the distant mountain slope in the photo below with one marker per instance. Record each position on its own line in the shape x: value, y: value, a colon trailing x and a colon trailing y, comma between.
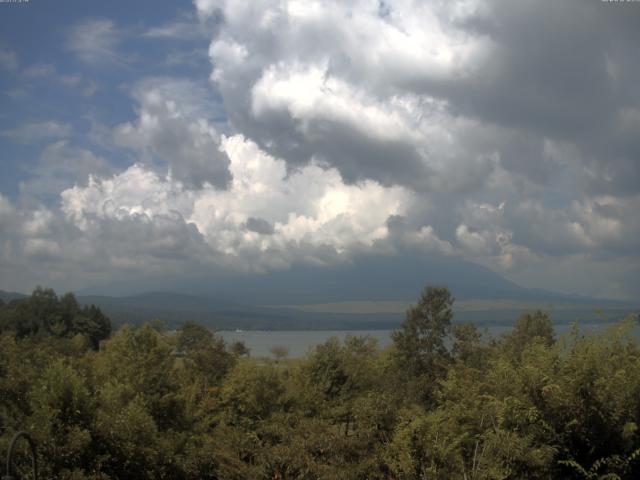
x: 353, y: 295
x: 8, y: 296
x: 307, y: 297
x: 379, y: 278
x: 373, y: 278
x: 175, y: 309
x: 162, y: 300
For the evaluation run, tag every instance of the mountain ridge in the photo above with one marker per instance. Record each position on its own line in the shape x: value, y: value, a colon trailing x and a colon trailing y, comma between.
x: 306, y: 297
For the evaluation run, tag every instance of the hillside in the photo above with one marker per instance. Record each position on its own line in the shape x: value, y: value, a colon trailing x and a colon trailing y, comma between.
x: 368, y: 293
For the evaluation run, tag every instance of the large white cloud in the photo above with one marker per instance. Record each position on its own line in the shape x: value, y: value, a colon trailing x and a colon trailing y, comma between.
x: 455, y: 101
x: 498, y: 131
x: 342, y: 82
x: 270, y: 215
x: 405, y: 91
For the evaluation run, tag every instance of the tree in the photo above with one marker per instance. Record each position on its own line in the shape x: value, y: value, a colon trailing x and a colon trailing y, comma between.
x: 44, y: 314
x: 250, y: 394
x: 92, y: 323
x: 467, y: 345
x: 205, y: 353
x: 279, y: 352
x: 420, y: 343
x: 63, y: 413
x: 530, y: 327
x: 193, y: 337
x: 239, y: 349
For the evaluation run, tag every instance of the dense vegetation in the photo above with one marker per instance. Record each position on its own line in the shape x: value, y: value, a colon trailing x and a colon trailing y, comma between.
x: 442, y: 402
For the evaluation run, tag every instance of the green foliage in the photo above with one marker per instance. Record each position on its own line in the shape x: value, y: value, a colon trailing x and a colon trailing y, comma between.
x: 420, y: 348
x: 442, y: 402
x: 239, y: 349
x: 206, y: 359
x: 530, y: 327
x: 251, y: 394
x: 421, y: 340
x: 44, y: 314
x: 468, y: 347
x: 63, y: 411
x: 279, y: 352
x: 193, y: 337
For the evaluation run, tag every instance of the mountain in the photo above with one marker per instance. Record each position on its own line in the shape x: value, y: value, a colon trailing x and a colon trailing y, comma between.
x: 367, y: 293
x: 400, y: 277
x: 8, y: 296
x: 175, y: 309
x: 372, y: 278
x: 162, y: 301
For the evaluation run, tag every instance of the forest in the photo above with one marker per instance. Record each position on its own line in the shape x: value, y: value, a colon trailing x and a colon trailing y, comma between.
x: 444, y: 401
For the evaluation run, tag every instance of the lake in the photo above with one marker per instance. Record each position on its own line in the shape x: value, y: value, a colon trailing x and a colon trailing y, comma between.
x: 299, y: 342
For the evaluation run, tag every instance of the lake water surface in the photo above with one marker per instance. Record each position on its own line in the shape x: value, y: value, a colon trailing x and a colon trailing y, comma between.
x: 299, y: 342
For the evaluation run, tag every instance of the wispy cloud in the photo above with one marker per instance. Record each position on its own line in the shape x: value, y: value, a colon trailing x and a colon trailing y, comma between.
x: 48, y: 72
x: 186, y: 27
x: 90, y: 89
x: 95, y: 41
x: 8, y: 60
x: 16, y: 93
x: 192, y: 58
x: 39, y: 70
x: 177, y: 31
x: 34, y: 132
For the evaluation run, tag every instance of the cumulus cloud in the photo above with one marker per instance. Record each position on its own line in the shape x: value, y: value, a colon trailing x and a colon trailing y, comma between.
x: 41, y: 245
x: 517, y: 124
x: 503, y: 132
x: 259, y: 225
x: 28, y: 237
x: 266, y: 216
x: 61, y: 165
x: 403, y: 91
x: 521, y: 236
x: 41, y: 248
x: 139, y: 221
x: 7, y: 214
x: 337, y: 84
x: 407, y: 232
x: 175, y: 126
x: 136, y: 191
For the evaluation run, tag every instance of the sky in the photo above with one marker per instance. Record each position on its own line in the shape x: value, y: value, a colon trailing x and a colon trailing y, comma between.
x: 179, y: 139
